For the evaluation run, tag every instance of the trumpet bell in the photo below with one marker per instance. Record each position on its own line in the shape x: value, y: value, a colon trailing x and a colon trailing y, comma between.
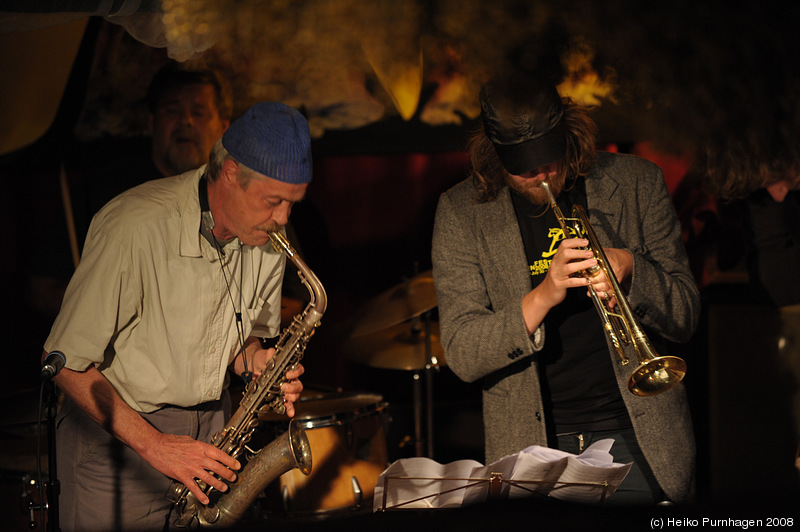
x: 657, y: 375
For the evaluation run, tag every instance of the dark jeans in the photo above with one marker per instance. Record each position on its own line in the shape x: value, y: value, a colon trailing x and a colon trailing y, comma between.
x: 640, y: 486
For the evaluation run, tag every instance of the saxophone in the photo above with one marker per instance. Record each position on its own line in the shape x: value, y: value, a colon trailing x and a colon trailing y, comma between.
x: 289, y: 450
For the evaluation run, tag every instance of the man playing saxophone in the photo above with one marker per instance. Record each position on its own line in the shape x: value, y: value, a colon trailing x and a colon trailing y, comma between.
x: 512, y: 300
x: 178, y: 283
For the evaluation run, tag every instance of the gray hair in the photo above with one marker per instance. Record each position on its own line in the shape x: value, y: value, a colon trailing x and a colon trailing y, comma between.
x: 217, y: 158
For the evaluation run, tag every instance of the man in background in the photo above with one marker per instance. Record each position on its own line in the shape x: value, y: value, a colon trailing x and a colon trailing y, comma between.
x: 188, y: 111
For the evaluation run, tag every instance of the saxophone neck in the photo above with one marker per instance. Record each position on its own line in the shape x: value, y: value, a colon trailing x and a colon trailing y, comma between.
x: 319, y: 298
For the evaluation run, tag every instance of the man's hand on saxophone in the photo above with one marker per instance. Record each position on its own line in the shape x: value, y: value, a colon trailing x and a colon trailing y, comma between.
x: 257, y: 361
x: 188, y: 460
x: 180, y: 457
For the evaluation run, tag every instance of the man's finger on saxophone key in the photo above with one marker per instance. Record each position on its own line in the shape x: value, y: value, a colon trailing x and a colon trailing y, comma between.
x: 291, y: 390
x: 294, y: 373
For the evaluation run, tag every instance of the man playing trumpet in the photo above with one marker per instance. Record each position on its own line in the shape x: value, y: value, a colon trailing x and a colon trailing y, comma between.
x: 512, y: 297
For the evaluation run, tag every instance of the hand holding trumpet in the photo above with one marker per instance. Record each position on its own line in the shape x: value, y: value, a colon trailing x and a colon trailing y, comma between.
x: 601, y: 273
x: 571, y: 259
x: 621, y: 263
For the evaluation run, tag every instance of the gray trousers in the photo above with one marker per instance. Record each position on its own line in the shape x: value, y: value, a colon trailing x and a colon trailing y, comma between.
x: 105, y: 485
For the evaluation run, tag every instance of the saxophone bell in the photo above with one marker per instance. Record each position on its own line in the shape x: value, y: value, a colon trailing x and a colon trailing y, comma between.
x: 288, y: 451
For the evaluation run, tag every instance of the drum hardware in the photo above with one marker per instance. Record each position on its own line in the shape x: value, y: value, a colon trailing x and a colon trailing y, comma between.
x: 346, y: 432
x: 19, y: 454
x: 395, y: 331
x: 359, y: 495
x: 28, y: 448
x: 29, y: 504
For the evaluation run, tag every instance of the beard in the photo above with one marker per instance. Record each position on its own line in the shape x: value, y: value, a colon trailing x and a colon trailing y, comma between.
x: 533, y: 192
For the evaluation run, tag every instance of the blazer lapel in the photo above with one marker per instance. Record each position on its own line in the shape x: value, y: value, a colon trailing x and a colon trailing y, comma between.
x: 499, y: 229
x: 605, y: 204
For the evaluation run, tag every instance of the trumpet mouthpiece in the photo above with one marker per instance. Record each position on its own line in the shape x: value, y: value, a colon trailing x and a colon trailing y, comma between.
x: 546, y: 187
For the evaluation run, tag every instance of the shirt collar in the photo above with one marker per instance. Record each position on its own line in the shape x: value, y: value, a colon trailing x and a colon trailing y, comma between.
x: 191, y: 242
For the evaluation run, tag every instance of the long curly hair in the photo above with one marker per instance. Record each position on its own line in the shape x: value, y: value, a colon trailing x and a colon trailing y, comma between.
x: 488, y: 172
x: 731, y: 172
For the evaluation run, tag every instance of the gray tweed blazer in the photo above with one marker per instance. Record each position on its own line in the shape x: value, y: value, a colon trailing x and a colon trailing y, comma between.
x: 481, y: 274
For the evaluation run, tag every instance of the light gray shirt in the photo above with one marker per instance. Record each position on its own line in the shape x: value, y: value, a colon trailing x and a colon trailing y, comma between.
x: 150, y: 305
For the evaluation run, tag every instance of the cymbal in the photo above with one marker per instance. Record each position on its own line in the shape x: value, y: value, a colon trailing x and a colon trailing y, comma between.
x: 397, y: 347
x: 398, y: 304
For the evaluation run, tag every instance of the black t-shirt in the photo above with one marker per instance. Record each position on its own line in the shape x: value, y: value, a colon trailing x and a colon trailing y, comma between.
x: 772, y: 233
x: 579, y: 387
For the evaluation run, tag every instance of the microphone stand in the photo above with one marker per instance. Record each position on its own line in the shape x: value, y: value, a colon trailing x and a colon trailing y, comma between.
x: 52, y: 486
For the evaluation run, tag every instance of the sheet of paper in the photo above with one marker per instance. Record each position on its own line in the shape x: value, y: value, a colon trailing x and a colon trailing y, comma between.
x: 423, y: 483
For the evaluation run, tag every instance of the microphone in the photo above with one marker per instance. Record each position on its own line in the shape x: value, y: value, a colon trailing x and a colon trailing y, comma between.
x: 53, y: 364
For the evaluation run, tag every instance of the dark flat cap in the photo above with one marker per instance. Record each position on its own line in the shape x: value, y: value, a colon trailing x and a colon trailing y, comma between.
x: 524, y: 121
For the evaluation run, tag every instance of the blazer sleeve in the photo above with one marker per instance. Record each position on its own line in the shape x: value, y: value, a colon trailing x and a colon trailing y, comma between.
x: 663, y: 293
x: 480, y: 313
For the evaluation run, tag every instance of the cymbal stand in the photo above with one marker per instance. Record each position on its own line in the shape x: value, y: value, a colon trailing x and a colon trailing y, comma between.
x: 417, y: 382
x: 431, y: 365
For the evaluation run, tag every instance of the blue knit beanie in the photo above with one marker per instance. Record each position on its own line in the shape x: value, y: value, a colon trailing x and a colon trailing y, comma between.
x: 273, y: 139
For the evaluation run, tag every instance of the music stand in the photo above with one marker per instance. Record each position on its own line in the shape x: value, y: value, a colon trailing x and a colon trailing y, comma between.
x: 494, y: 487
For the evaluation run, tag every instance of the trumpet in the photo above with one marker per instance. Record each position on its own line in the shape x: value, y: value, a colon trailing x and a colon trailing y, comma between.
x: 655, y: 374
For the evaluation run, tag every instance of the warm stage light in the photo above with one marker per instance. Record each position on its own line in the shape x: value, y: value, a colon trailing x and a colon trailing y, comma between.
x: 581, y: 82
x: 402, y: 80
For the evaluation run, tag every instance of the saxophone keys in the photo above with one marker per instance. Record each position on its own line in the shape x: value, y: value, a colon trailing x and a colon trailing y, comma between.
x: 278, y: 406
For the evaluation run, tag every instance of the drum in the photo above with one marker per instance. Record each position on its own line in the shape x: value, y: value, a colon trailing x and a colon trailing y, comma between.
x: 347, y: 436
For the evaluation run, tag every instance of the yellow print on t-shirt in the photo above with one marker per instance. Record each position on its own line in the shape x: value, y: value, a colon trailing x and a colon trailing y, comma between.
x: 555, y: 235
x: 540, y: 267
